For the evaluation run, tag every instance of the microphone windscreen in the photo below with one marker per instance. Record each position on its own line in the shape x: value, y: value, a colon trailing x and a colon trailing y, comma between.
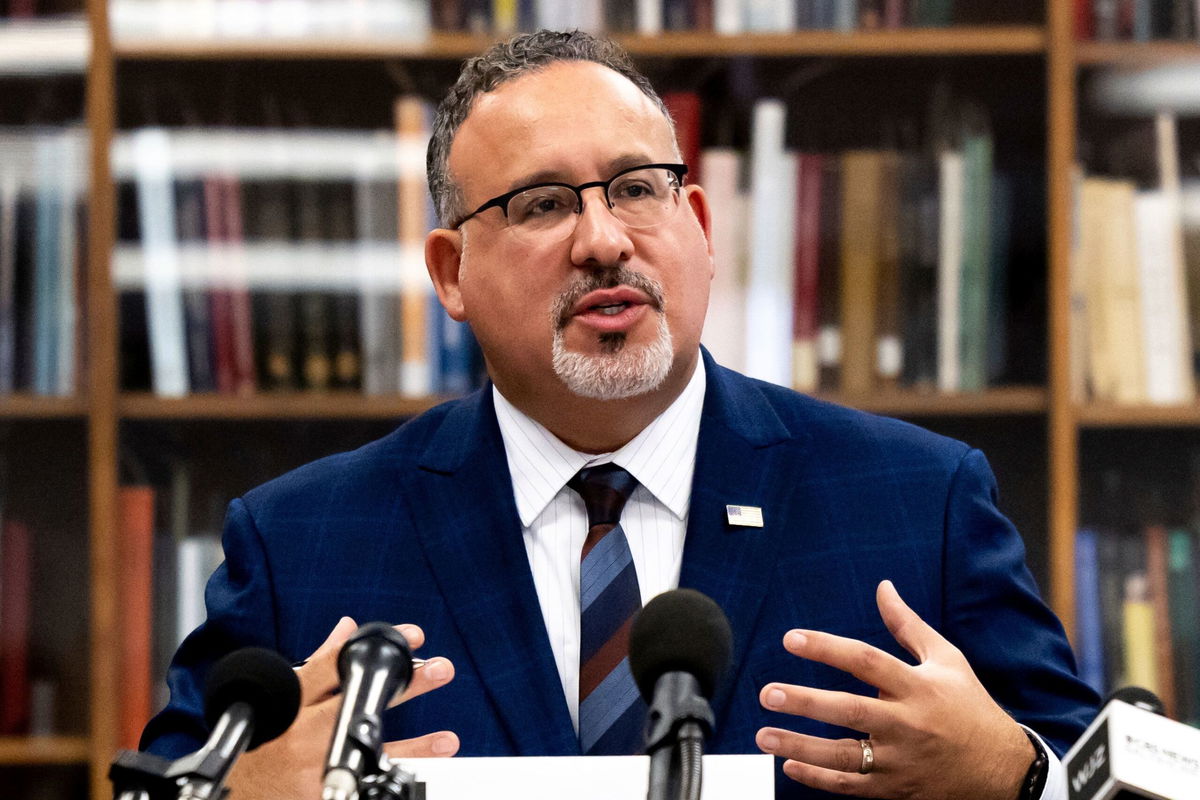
x: 1137, y: 696
x: 263, y: 680
x: 679, y: 631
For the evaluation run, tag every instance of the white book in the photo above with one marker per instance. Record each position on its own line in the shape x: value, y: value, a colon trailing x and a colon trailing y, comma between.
x: 1166, y: 340
x: 950, y: 262
x: 725, y: 325
x: 164, y: 291
x: 379, y: 305
x: 649, y: 17
x: 73, y: 148
x: 197, y: 558
x: 770, y: 274
x: 846, y: 15
x: 727, y: 17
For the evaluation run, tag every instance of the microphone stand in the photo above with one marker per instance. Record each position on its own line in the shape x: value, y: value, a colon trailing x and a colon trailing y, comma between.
x: 679, y: 721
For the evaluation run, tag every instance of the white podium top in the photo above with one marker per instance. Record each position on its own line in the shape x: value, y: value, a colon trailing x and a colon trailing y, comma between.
x: 747, y: 777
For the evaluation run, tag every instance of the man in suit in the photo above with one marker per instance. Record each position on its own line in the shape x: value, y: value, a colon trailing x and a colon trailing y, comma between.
x: 581, y: 259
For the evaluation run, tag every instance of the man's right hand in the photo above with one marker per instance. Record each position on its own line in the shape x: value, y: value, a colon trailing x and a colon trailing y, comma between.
x: 292, y: 766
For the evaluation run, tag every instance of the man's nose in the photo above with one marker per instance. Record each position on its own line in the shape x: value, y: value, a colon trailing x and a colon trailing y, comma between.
x: 599, y: 237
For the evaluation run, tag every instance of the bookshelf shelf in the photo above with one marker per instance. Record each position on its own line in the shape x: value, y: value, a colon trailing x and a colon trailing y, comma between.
x: 34, y: 750
x: 1118, y: 416
x: 448, y: 46
x: 299, y: 405
x: 26, y: 406
x: 1090, y: 54
x: 1015, y: 400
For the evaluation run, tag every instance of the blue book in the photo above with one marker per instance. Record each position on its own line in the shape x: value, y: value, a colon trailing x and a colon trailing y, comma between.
x: 46, y: 270
x: 1089, y: 625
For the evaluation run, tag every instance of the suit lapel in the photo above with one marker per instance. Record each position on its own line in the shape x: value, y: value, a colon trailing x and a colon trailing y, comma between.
x: 740, y: 460
x: 467, y: 523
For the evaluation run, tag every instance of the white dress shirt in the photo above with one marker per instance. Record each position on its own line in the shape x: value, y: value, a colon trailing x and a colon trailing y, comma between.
x: 554, y: 521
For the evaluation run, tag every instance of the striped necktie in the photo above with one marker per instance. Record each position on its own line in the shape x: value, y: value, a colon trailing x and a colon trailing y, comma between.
x: 611, y: 711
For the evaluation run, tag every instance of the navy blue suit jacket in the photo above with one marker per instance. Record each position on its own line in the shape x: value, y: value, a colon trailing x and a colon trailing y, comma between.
x: 421, y: 527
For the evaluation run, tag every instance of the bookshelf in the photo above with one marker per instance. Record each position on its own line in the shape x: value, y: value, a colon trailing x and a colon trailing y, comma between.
x: 95, y: 421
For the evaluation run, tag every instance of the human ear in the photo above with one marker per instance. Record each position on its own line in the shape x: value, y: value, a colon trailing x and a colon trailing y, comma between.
x: 443, y: 257
x: 697, y: 201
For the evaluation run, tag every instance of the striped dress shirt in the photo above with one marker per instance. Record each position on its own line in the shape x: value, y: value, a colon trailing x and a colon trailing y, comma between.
x: 554, y: 521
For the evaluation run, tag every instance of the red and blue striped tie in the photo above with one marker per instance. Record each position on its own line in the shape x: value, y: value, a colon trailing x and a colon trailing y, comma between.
x: 611, y: 711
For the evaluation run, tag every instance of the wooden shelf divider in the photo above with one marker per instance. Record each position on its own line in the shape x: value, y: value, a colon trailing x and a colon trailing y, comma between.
x: 35, y: 750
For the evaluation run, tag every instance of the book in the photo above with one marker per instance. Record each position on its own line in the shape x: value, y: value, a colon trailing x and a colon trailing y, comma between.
x: 976, y: 273
x: 163, y: 284
x: 949, y: 273
x: 769, y: 275
x: 16, y: 570
x: 1156, y: 589
x: 1138, y: 627
x: 862, y: 181
x: 412, y: 132
x: 806, y: 293
x: 829, y: 258
x: 1183, y: 590
x: 8, y: 283
x: 1166, y: 338
x: 725, y: 324
x: 1089, y: 624
x: 135, y: 508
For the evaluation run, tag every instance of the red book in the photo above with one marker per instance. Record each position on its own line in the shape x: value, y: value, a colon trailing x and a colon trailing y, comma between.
x: 221, y: 308
x: 239, y: 294
x: 1084, y: 20
x: 135, y: 506
x: 685, y: 110
x: 806, y: 297
x: 15, y: 569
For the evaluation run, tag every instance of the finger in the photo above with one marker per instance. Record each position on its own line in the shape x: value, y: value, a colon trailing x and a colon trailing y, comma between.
x: 834, y: 781
x: 869, y: 664
x: 851, y: 711
x: 318, y: 674
x: 436, y: 673
x: 843, y: 755
x: 432, y: 745
x: 912, y: 632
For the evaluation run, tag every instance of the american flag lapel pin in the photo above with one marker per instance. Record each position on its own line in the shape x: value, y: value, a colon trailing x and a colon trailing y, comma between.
x: 744, y: 516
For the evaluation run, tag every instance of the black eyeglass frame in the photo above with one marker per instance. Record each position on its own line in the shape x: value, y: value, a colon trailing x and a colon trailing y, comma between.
x: 501, y: 202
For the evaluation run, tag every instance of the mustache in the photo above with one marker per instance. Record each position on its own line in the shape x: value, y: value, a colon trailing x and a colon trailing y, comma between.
x: 609, y: 278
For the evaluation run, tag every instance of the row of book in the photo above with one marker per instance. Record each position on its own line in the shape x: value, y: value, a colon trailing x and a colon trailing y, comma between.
x: 165, y: 564
x: 281, y: 261
x: 414, y: 19
x: 43, y: 243
x: 1137, y: 20
x: 727, y: 17
x: 861, y: 270
x: 1136, y: 596
x: 1135, y: 283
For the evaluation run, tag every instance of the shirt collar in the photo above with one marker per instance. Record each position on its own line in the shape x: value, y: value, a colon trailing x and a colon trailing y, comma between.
x: 662, y: 456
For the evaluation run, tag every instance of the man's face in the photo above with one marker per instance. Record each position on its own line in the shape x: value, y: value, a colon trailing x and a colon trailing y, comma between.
x: 610, y: 310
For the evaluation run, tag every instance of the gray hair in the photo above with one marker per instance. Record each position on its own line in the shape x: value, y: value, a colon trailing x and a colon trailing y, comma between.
x: 502, y: 62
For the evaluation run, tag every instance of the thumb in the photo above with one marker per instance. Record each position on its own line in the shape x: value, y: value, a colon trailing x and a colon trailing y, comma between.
x: 912, y: 632
x: 318, y: 675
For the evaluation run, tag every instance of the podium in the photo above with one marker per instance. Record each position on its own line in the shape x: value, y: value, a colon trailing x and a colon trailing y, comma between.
x: 747, y: 777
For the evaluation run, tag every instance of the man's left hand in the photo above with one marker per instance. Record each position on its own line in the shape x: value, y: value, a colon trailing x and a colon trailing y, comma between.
x: 934, y: 731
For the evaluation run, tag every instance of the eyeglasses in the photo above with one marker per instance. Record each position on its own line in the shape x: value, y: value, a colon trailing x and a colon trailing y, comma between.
x: 640, y: 197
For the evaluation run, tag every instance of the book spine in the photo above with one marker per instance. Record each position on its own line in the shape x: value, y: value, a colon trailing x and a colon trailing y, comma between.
x: 136, y: 548
x: 1089, y: 630
x: 862, y: 181
x: 15, y: 597
x: 805, y: 370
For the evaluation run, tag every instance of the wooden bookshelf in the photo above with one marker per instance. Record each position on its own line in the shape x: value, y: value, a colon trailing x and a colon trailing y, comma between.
x: 27, y: 406
x: 1135, y: 54
x: 1142, y: 416
x: 1007, y: 401
x: 297, y: 406
x: 36, y: 750
x: 104, y: 407
x: 958, y: 41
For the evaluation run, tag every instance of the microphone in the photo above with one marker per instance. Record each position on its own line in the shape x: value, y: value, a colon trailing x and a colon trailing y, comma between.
x: 374, y: 665
x: 1130, y: 750
x: 679, y: 646
x: 251, y: 696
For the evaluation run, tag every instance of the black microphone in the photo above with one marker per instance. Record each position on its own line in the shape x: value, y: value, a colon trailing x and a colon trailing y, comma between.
x: 1131, y: 750
x: 251, y: 696
x: 374, y: 665
x: 679, y: 646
